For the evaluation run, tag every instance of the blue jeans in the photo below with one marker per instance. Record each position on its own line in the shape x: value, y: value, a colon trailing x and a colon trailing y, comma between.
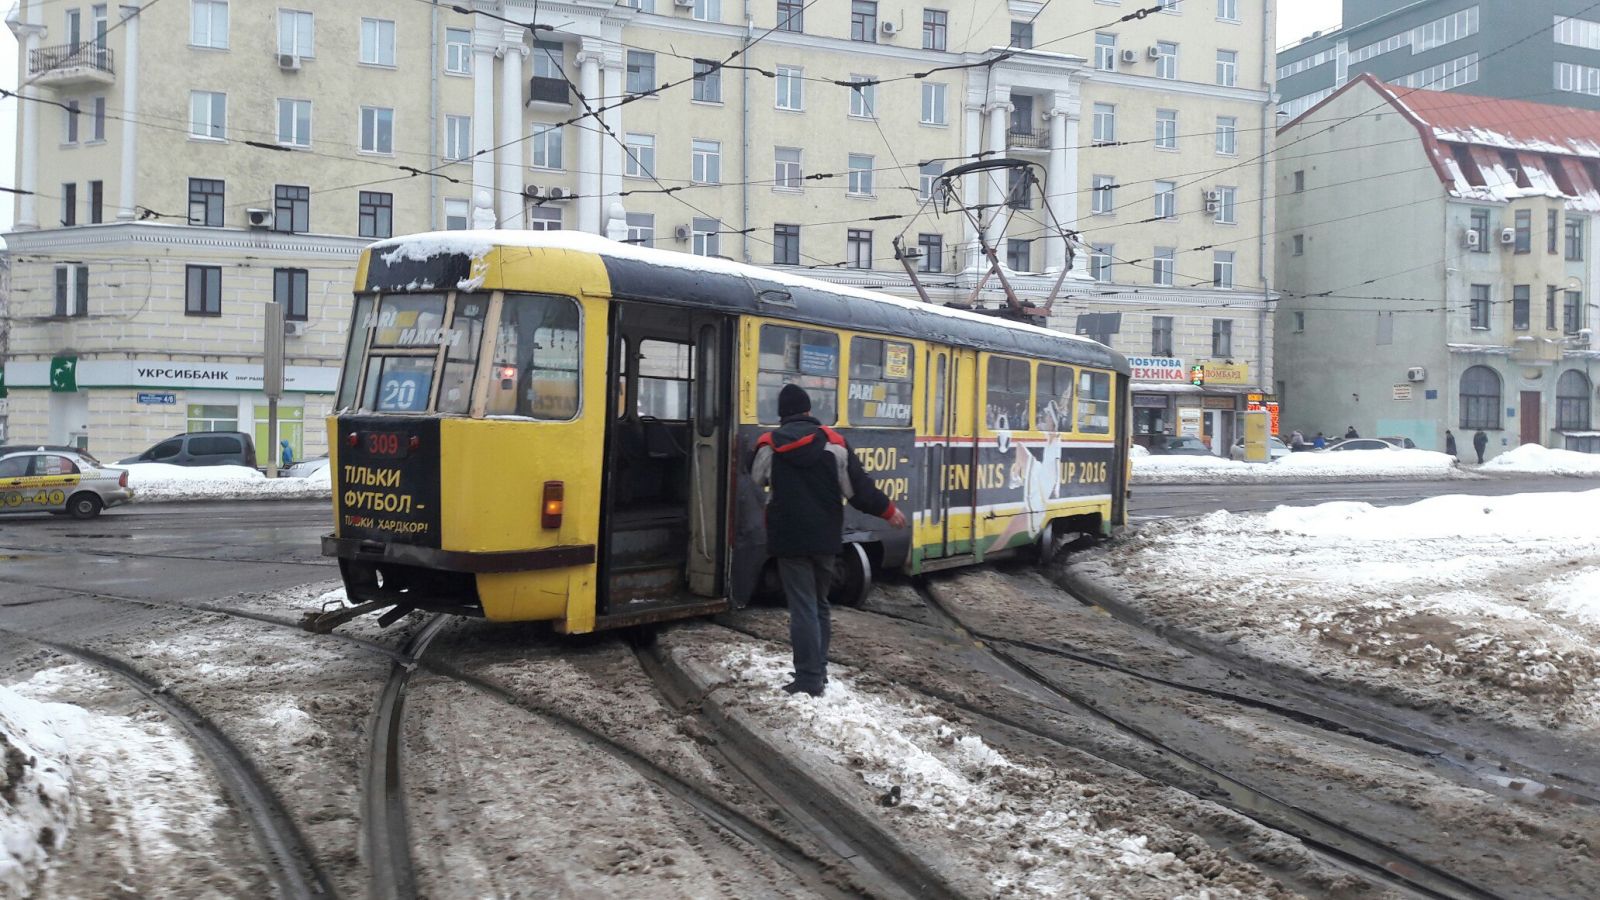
x: 806, y: 580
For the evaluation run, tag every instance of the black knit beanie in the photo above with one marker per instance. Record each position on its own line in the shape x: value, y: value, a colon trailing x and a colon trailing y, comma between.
x: 792, y: 401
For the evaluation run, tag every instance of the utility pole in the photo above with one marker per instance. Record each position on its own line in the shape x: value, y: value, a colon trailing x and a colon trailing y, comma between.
x: 272, y: 378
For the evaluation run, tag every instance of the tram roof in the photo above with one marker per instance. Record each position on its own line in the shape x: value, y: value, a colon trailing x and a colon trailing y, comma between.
x: 645, y: 273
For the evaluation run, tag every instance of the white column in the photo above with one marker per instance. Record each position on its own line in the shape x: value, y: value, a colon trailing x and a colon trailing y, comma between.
x: 130, y: 117
x: 482, y: 123
x: 508, y: 159
x: 970, y: 193
x: 999, y: 125
x: 27, y: 202
x: 611, y: 151
x: 1060, y: 188
x: 589, y: 161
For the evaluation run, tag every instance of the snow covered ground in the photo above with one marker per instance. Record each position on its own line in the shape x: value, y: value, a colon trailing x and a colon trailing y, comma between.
x: 1354, y: 465
x: 1535, y: 459
x: 1486, y: 603
x: 159, y: 482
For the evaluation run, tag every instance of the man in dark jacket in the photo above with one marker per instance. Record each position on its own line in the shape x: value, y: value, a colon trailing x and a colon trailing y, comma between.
x: 1449, y: 443
x: 812, y: 472
x: 1350, y: 432
x: 1480, y: 442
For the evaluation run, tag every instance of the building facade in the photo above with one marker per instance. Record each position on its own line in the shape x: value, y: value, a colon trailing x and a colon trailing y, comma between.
x: 189, y: 161
x: 1448, y: 45
x: 1449, y: 283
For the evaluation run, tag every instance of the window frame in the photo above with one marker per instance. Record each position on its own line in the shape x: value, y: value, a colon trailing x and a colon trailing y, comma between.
x: 1479, y: 410
x: 639, y: 157
x: 1161, y: 333
x: 1103, y: 195
x: 378, y: 43
x: 1166, y: 129
x: 640, y: 72
x: 1227, y: 212
x: 1574, y: 410
x: 1227, y: 68
x: 705, y: 161
x: 213, y: 130
x: 293, y: 110
x: 1163, y: 266
x: 864, y: 21
x: 824, y: 398
x: 1478, y: 306
x: 788, y: 174
x: 935, y: 100
x: 293, y: 15
x: 930, y: 249
x: 459, y: 50
x: 1221, y: 338
x: 1222, y: 269
x: 863, y: 345
x: 210, y: 283
x: 377, y: 123
x: 211, y: 24
x: 789, y: 88
x: 785, y: 244
x: 856, y: 241
x: 707, y: 81
x: 1227, y: 136
x: 935, y: 29
x: 792, y: 16
x: 71, y: 291
x: 1166, y: 199
x: 376, y: 208
x: 1521, y: 307
x: 457, y: 138
x: 213, y: 201
x: 859, y: 181
x: 1522, y: 229
x: 1573, y: 235
x: 292, y: 288
x: 863, y: 97
x: 1013, y: 368
x: 1105, y: 51
x: 546, y: 147
x: 1167, y: 60
x: 296, y: 198
x: 1103, y: 124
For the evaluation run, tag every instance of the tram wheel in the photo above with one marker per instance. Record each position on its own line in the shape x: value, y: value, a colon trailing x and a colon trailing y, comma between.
x: 1046, y: 548
x: 853, y: 578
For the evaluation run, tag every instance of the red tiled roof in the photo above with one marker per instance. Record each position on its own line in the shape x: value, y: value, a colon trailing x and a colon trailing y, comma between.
x: 1539, y: 126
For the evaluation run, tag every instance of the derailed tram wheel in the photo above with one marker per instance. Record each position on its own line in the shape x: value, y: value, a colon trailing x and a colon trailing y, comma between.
x: 852, y: 576
x: 1046, y: 548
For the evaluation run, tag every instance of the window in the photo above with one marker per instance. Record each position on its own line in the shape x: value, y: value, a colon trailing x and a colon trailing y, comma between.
x: 1162, y: 266
x: 1479, y: 242
x: 864, y: 21
x: 208, y: 116
x: 97, y: 200
x: 457, y: 137
x: 294, y: 122
x: 1166, y: 129
x: 641, y: 159
x: 792, y: 15
x: 1227, y: 135
x: 69, y: 133
x: 1019, y: 189
x: 1227, y: 205
x: 205, y: 202
x: 1480, y: 306
x: 208, y: 24
x: 933, y: 104
x: 1228, y: 10
x: 880, y: 382
x: 1519, y: 307
x: 1166, y: 60
x: 1104, y: 199
x: 1572, y: 401
x: 1166, y: 196
x: 1222, y: 268
x: 641, y: 229
x: 377, y: 42
x: 664, y: 379
x: 458, y: 51
x: 804, y: 357
x: 97, y: 132
x: 202, y: 295
x: 786, y: 245
x: 1227, y: 67
x: 1007, y: 394
x: 1480, y: 399
x: 790, y: 85
x: 1019, y: 255
x: 1105, y: 123
x: 1100, y: 259
x: 377, y: 129
x: 202, y: 417
x: 1574, y: 234
x: 543, y: 218
x: 69, y: 204
x: 295, y: 30
x: 1094, y: 402
x: 705, y: 237
x: 1572, y: 312
x: 375, y: 215
x: 935, y: 25
x: 708, y: 10
x: 546, y: 147
x: 1524, y: 231
x: 1299, y: 326
x: 1299, y: 241
x: 537, y: 358
x: 291, y: 208
x: 289, y: 289
x: 641, y: 72
x: 927, y: 176
x: 1222, y: 337
x: 707, y: 81
x: 72, y: 291
x: 1551, y: 225
x: 1105, y: 52
x: 707, y: 162
x: 457, y: 215
x: 1022, y: 35
x: 1161, y: 336
x: 1550, y: 307
x: 860, y: 180
x: 930, y: 253
x: 863, y: 97
x: 1299, y: 180
x: 786, y: 168
x: 858, y: 248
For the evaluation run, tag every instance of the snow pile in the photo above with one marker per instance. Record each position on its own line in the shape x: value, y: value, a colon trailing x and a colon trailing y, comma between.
x: 35, y: 787
x: 1536, y: 459
x: 159, y: 482
x: 1034, y: 830
x: 1489, y: 603
x: 1349, y: 465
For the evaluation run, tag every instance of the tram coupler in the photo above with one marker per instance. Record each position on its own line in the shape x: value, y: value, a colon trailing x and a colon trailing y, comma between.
x: 327, y: 620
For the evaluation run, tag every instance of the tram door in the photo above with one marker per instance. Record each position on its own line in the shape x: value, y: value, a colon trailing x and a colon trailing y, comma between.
x: 953, y: 423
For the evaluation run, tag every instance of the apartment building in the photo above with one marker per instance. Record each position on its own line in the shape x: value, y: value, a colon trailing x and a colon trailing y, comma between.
x: 191, y: 160
x: 1449, y: 282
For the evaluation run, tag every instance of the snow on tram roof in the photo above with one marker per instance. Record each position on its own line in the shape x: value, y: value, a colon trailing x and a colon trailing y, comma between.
x: 426, y: 245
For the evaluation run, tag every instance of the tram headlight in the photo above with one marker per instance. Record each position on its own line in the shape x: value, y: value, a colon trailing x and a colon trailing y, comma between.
x: 554, y: 504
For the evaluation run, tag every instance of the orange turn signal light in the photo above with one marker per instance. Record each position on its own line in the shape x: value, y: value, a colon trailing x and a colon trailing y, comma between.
x: 554, y: 504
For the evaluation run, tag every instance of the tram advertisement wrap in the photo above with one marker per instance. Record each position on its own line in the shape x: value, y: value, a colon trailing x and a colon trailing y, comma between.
x: 386, y: 487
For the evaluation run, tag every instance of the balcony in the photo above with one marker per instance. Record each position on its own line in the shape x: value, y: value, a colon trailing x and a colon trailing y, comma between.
x: 549, y: 90
x: 1024, y: 138
x: 70, y: 65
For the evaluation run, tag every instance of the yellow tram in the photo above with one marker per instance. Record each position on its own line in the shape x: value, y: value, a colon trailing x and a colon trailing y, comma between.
x: 554, y: 426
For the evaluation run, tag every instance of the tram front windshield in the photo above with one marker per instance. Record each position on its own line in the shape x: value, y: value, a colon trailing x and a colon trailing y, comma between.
x: 396, y: 342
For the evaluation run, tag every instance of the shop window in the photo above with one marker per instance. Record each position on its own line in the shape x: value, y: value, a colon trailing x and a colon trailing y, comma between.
x: 1094, y: 403
x: 537, y: 358
x: 1053, y: 387
x: 799, y: 356
x: 1007, y: 395
x: 202, y: 417
x: 880, y: 382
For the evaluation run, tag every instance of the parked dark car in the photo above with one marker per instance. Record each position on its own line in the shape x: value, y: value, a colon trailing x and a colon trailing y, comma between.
x: 1180, y: 445
x: 201, y: 448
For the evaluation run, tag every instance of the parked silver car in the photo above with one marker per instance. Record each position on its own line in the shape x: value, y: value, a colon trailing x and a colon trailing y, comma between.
x: 60, y: 482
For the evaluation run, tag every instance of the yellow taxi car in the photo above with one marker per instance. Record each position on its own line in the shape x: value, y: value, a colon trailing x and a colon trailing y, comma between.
x: 56, y: 481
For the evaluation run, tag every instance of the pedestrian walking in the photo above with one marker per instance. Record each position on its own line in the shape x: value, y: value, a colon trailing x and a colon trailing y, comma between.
x: 811, y: 471
x: 1449, y: 443
x: 1480, y: 442
x: 1350, y: 432
x: 1297, y: 441
x: 1319, y: 441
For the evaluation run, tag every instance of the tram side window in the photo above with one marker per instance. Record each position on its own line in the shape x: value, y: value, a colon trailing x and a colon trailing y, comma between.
x: 798, y: 356
x: 664, y: 380
x: 536, y: 358
x: 1008, y: 394
x: 461, y: 353
x: 1054, y: 390
x: 355, y: 349
x: 1094, y: 403
x: 880, y: 382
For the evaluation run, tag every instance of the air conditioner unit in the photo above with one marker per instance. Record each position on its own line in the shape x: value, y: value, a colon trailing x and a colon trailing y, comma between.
x: 258, y: 218
x: 531, y: 191
x: 1469, y: 239
x: 1416, y: 373
x: 295, y: 329
x: 889, y: 28
x: 289, y: 62
x: 1508, y: 235
x: 683, y: 4
x: 681, y: 232
x: 1154, y: 52
x: 1130, y: 56
x: 555, y: 193
x: 1213, y: 196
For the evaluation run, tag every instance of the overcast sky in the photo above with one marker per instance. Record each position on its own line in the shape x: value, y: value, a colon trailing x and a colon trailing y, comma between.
x: 1296, y: 19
